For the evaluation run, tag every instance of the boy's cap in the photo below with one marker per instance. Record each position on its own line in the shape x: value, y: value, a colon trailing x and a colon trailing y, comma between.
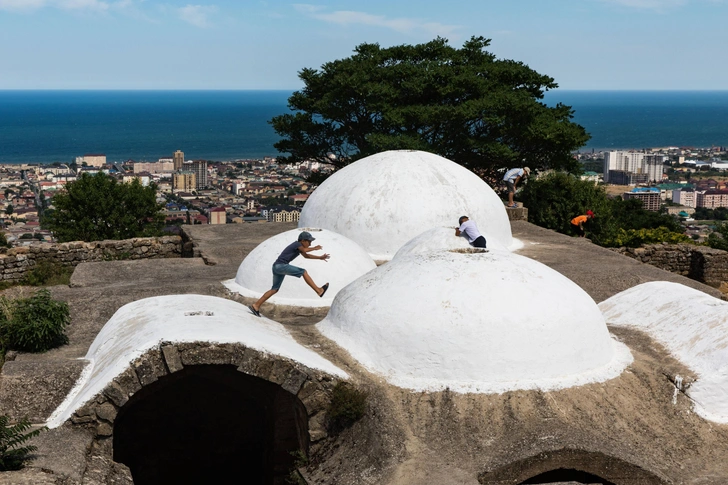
x: 527, y: 170
x: 460, y: 221
x: 590, y: 213
x: 306, y: 236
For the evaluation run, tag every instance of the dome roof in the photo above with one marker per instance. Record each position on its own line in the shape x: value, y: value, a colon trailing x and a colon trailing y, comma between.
x: 443, y: 238
x: 473, y: 321
x: 348, y: 262
x: 692, y: 325
x: 384, y: 200
x: 141, y: 325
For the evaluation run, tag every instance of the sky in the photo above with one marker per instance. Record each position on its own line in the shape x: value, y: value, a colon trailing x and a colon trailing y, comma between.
x: 251, y: 44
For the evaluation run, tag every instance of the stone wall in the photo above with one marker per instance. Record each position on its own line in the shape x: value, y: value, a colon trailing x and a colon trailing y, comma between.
x: 700, y: 263
x: 16, y: 262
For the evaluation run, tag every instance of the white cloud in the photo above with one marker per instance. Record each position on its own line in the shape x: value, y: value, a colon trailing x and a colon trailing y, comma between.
x: 20, y: 5
x: 403, y: 25
x: 74, y: 5
x: 197, y: 15
x: 658, y: 5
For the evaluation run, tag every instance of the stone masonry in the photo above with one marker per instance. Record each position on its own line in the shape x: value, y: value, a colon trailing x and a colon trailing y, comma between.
x: 16, y: 262
x: 700, y: 263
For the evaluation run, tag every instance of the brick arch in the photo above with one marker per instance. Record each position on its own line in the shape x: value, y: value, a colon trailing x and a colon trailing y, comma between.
x: 571, y: 463
x: 312, y: 387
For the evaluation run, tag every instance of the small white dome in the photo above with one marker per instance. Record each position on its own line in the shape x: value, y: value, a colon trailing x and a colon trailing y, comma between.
x: 348, y: 262
x: 692, y: 325
x: 141, y: 325
x: 473, y: 322
x: 384, y: 200
x: 443, y: 238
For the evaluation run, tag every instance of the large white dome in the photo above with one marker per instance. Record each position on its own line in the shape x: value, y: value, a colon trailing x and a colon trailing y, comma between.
x: 473, y: 321
x: 692, y: 325
x: 348, y: 262
x: 384, y: 200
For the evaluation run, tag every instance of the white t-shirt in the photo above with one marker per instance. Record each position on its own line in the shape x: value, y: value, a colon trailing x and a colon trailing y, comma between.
x: 469, y: 231
x: 513, y: 174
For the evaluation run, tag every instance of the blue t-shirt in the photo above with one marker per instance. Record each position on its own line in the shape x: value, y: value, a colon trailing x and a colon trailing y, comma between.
x: 289, y: 254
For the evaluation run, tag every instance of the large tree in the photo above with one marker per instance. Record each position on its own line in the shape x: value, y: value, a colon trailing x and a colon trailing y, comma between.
x: 464, y: 104
x: 98, y: 207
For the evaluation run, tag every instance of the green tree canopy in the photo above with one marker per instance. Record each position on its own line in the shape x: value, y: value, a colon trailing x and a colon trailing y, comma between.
x: 464, y: 104
x: 557, y: 198
x: 97, y: 207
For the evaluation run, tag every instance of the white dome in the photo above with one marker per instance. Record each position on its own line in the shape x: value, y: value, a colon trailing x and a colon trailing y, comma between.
x: 443, y: 238
x: 473, y: 322
x: 384, y: 200
x: 692, y: 325
x: 141, y: 325
x: 348, y: 262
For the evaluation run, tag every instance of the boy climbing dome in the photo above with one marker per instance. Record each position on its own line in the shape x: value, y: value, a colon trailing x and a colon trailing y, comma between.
x: 282, y: 268
x: 469, y: 231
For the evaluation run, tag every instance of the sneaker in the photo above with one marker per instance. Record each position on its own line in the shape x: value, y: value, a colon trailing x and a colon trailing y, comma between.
x: 253, y: 310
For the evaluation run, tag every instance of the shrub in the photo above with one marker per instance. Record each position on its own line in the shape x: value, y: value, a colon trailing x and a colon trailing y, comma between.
x: 33, y: 324
x: 718, y: 239
x: 47, y: 273
x: 348, y: 405
x: 13, y: 455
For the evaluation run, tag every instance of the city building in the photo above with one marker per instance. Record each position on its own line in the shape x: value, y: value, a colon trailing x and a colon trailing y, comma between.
x: 710, y: 199
x: 154, y: 167
x: 685, y: 197
x: 179, y: 160
x: 185, y: 181
x: 199, y: 167
x: 641, y: 165
x: 92, y: 160
x: 218, y: 216
x: 650, y: 197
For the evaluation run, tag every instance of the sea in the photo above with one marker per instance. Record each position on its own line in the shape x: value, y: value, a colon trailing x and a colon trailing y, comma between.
x: 57, y: 126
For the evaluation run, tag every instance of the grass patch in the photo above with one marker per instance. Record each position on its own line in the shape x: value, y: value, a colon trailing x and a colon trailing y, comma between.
x: 348, y: 405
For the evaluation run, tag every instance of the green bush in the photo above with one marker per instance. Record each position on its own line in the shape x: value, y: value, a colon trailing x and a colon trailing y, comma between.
x: 718, y: 239
x: 33, y: 324
x: 634, y: 238
x: 348, y: 405
x: 45, y: 273
x: 13, y: 455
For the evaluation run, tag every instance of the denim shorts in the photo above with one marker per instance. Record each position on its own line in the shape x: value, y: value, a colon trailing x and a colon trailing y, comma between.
x: 280, y: 271
x: 511, y: 187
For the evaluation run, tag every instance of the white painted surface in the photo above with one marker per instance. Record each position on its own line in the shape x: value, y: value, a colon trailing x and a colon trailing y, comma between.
x: 144, y: 324
x: 477, y: 322
x: 692, y: 325
x: 442, y: 238
x: 384, y: 200
x: 348, y: 262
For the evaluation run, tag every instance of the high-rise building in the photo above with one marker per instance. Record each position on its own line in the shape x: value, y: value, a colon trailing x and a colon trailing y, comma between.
x: 184, y: 181
x: 199, y: 167
x: 635, y: 163
x: 650, y: 198
x: 179, y: 159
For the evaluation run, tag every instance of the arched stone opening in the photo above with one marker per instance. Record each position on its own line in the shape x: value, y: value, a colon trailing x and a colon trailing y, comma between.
x: 210, y: 424
x: 566, y: 475
x: 571, y: 465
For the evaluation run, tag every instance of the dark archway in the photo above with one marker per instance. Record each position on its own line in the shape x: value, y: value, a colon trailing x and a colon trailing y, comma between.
x: 562, y: 475
x: 210, y: 424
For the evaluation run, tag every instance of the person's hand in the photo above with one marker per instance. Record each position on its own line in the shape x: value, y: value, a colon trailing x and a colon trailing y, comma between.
x: 325, y: 257
x: 316, y: 248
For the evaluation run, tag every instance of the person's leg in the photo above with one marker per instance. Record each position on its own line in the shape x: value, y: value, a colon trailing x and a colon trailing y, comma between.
x: 511, y: 193
x: 309, y: 281
x: 277, y: 282
x: 256, y: 306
